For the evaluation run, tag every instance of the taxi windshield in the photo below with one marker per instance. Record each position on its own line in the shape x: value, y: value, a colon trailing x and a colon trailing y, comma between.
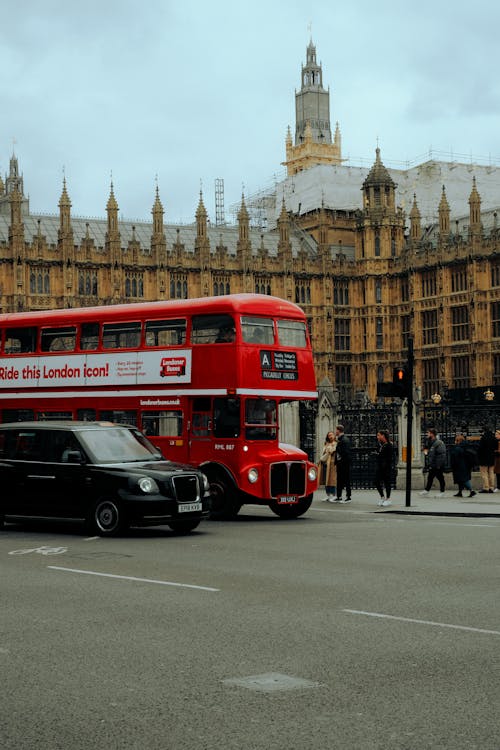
x: 118, y: 445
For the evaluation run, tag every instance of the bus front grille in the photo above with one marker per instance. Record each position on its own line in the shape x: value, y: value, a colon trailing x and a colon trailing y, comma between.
x: 186, y: 488
x: 288, y: 478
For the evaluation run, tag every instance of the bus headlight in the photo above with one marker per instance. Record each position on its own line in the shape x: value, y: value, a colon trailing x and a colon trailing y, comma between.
x: 253, y: 475
x: 312, y: 474
x: 148, y: 486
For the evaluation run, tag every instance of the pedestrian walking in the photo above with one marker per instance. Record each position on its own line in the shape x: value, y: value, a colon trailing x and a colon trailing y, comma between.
x: 497, y: 461
x: 385, y: 458
x: 488, y: 444
x: 343, y: 464
x: 462, y: 460
x: 436, y: 454
x: 328, y: 469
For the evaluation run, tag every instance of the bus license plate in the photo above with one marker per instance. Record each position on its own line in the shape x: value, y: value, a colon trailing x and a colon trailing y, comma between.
x: 189, y: 507
x: 287, y: 499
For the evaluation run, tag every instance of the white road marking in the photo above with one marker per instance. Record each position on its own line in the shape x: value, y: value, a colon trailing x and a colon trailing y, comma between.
x: 92, y: 538
x: 480, y: 525
x: 133, y: 578
x: 421, y: 622
x: 40, y: 550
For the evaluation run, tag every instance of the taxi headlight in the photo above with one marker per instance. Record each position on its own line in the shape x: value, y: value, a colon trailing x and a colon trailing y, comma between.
x: 206, y: 484
x: 253, y: 475
x: 312, y: 474
x: 148, y: 485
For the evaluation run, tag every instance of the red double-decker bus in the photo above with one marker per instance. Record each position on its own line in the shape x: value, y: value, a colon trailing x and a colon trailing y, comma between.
x: 203, y: 378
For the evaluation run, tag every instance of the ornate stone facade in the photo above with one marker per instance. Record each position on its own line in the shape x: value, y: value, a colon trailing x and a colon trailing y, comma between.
x: 368, y: 276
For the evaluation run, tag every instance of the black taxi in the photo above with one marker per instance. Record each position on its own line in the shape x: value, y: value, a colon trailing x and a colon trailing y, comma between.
x: 107, y: 475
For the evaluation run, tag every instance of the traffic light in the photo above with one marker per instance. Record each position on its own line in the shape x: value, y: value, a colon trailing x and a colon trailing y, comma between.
x: 400, y: 382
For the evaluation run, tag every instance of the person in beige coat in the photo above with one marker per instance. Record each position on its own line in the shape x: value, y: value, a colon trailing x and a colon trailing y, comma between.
x: 328, y: 469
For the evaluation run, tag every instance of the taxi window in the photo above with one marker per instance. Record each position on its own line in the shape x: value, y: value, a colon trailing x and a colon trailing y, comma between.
x: 28, y: 445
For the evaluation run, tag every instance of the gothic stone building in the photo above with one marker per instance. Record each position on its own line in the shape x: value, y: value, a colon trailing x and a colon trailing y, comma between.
x: 367, y: 273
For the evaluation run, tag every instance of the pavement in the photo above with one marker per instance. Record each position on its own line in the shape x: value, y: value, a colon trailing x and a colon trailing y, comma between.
x: 479, y: 506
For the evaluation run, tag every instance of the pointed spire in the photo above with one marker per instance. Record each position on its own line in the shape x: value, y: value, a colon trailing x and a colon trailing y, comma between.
x: 243, y: 220
x: 415, y: 228
x: 64, y: 200
x: 201, y: 218
x: 112, y: 211
x: 111, y: 205
x: 378, y: 174
x: 444, y: 214
x: 475, y: 207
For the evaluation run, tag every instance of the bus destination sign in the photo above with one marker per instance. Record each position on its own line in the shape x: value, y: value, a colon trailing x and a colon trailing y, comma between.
x: 278, y: 365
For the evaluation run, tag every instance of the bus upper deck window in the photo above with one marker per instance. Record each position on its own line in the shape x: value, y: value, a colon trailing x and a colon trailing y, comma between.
x: 292, y: 333
x: 212, y: 329
x: 89, y: 336
x: 165, y: 333
x: 58, y: 339
x: 121, y: 335
x: 20, y: 340
x: 257, y: 330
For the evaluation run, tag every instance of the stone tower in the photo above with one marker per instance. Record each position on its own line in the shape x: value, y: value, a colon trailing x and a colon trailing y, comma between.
x: 313, y: 135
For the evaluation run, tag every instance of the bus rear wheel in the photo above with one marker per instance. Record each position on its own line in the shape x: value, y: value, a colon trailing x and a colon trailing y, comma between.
x: 291, y: 511
x: 224, y: 499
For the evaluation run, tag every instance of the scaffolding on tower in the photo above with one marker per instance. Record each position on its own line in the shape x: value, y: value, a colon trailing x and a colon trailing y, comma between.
x: 220, y: 219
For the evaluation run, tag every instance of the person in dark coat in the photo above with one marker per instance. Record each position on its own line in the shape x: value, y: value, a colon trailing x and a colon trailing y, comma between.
x: 461, y: 461
x: 343, y: 464
x: 436, y: 453
x: 385, y: 456
x: 486, y: 459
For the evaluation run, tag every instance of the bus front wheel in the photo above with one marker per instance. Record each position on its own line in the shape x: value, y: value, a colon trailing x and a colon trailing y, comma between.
x: 224, y: 499
x: 291, y: 511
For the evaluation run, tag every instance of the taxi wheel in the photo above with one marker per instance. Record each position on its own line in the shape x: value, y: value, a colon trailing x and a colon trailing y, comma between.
x: 291, y: 511
x: 2, y: 520
x: 183, y: 527
x: 224, y: 503
x: 107, y: 517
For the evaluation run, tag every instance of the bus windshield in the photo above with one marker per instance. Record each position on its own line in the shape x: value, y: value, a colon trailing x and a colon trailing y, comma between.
x: 261, y: 419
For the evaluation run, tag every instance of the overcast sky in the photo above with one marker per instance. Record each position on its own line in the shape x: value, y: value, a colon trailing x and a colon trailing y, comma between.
x: 192, y: 91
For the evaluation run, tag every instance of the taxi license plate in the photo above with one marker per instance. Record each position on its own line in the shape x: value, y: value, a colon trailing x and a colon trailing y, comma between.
x: 189, y: 507
x: 287, y: 499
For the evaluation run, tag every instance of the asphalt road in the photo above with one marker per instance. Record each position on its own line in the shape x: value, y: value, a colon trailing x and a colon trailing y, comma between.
x: 342, y: 629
